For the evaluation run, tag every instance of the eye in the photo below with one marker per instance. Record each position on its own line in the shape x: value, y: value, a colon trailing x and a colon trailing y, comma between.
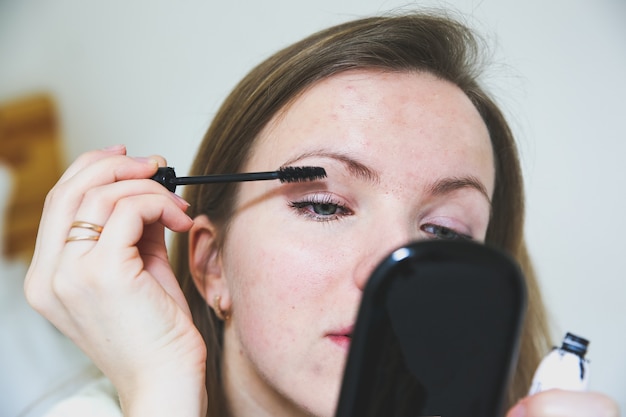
x: 321, y: 208
x: 443, y: 233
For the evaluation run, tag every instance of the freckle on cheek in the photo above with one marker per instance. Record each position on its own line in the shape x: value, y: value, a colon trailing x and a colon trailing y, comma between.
x: 317, y: 369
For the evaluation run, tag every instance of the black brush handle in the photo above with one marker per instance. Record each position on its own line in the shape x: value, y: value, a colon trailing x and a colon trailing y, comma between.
x: 166, y: 176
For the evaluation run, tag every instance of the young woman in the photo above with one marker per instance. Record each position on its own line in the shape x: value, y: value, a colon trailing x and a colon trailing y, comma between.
x: 255, y: 317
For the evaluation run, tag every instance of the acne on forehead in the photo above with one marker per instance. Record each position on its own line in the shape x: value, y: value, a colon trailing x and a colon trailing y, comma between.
x: 434, y: 92
x: 349, y: 94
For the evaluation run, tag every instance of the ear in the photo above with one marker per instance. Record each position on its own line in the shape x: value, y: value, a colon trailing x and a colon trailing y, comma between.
x: 205, y: 263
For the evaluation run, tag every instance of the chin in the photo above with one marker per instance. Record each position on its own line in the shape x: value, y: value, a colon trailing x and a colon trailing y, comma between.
x: 325, y: 396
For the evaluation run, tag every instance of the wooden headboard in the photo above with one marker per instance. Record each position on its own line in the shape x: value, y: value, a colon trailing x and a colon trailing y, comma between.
x: 30, y: 146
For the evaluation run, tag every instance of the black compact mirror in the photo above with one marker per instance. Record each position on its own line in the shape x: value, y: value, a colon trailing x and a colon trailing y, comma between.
x: 437, y: 334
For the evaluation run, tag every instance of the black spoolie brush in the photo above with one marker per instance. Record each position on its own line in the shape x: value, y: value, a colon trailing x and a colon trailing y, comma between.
x: 167, y: 176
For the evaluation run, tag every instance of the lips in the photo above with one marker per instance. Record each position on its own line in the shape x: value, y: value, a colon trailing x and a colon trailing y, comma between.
x: 341, y: 337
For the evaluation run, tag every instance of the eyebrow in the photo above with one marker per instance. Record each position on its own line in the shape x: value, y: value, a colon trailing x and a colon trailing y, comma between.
x: 448, y: 185
x: 361, y: 171
x: 354, y: 167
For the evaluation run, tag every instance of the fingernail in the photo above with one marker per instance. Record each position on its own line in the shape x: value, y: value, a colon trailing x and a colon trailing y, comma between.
x: 182, y: 200
x: 144, y: 160
x: 114, y: 148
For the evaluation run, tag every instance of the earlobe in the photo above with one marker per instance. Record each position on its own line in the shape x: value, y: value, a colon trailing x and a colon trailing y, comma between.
x: 205, y: 262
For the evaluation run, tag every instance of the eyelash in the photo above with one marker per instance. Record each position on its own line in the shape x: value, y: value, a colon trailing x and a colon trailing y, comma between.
x: 439, y: 231
x: 307, y: 208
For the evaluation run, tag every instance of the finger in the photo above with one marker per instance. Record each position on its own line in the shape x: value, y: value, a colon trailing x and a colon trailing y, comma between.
x: 134, y: 208
x: 90, y: 157
x: 93, y: 169
x: 98, y: 203
x: 560, y: 403
x: 131, y: 221
x: 125, y: 226
x: 109, y: 264
x: 64, y: 199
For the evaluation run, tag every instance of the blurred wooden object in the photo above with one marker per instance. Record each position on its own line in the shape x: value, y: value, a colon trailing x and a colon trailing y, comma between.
x: 30, y: 146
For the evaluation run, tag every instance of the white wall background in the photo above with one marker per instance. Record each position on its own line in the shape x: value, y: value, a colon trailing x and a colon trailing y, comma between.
x: 151, y: 74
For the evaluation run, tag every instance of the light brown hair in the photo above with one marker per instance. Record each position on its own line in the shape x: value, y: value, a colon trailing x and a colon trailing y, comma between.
x: 421, y: 42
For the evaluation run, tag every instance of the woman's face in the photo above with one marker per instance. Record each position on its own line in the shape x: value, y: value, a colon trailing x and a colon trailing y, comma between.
x: 408, y: 157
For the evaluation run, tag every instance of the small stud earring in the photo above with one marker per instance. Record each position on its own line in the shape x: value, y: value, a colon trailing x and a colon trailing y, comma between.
x: 221, y: 314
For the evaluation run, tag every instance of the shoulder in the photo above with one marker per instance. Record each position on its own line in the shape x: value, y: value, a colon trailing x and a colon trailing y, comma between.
x: 97, y: 399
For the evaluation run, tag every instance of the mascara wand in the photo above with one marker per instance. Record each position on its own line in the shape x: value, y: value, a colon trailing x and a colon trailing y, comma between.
x: 166, y: 176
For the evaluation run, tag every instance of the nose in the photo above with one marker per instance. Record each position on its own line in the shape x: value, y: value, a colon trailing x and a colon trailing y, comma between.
x: 381, y: 239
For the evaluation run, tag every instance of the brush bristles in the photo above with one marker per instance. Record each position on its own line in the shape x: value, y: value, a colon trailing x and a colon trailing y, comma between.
x: 300, y: 174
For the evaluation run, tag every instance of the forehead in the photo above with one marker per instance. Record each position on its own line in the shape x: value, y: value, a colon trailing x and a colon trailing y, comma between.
x: 403, y: 117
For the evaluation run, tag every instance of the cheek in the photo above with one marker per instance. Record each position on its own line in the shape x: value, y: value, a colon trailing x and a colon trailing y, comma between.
x: 279, y: 281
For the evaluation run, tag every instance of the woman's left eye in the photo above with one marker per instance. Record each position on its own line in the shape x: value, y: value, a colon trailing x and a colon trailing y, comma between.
x: 444, y: 233
x: 323, y: 209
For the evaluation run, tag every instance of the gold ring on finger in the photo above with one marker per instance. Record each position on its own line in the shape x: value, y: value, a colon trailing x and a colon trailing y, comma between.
x: 88, y: 226
x: 82, y: 237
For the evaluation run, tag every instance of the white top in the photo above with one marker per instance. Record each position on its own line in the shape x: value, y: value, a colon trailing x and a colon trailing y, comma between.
x: 97, y: 399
